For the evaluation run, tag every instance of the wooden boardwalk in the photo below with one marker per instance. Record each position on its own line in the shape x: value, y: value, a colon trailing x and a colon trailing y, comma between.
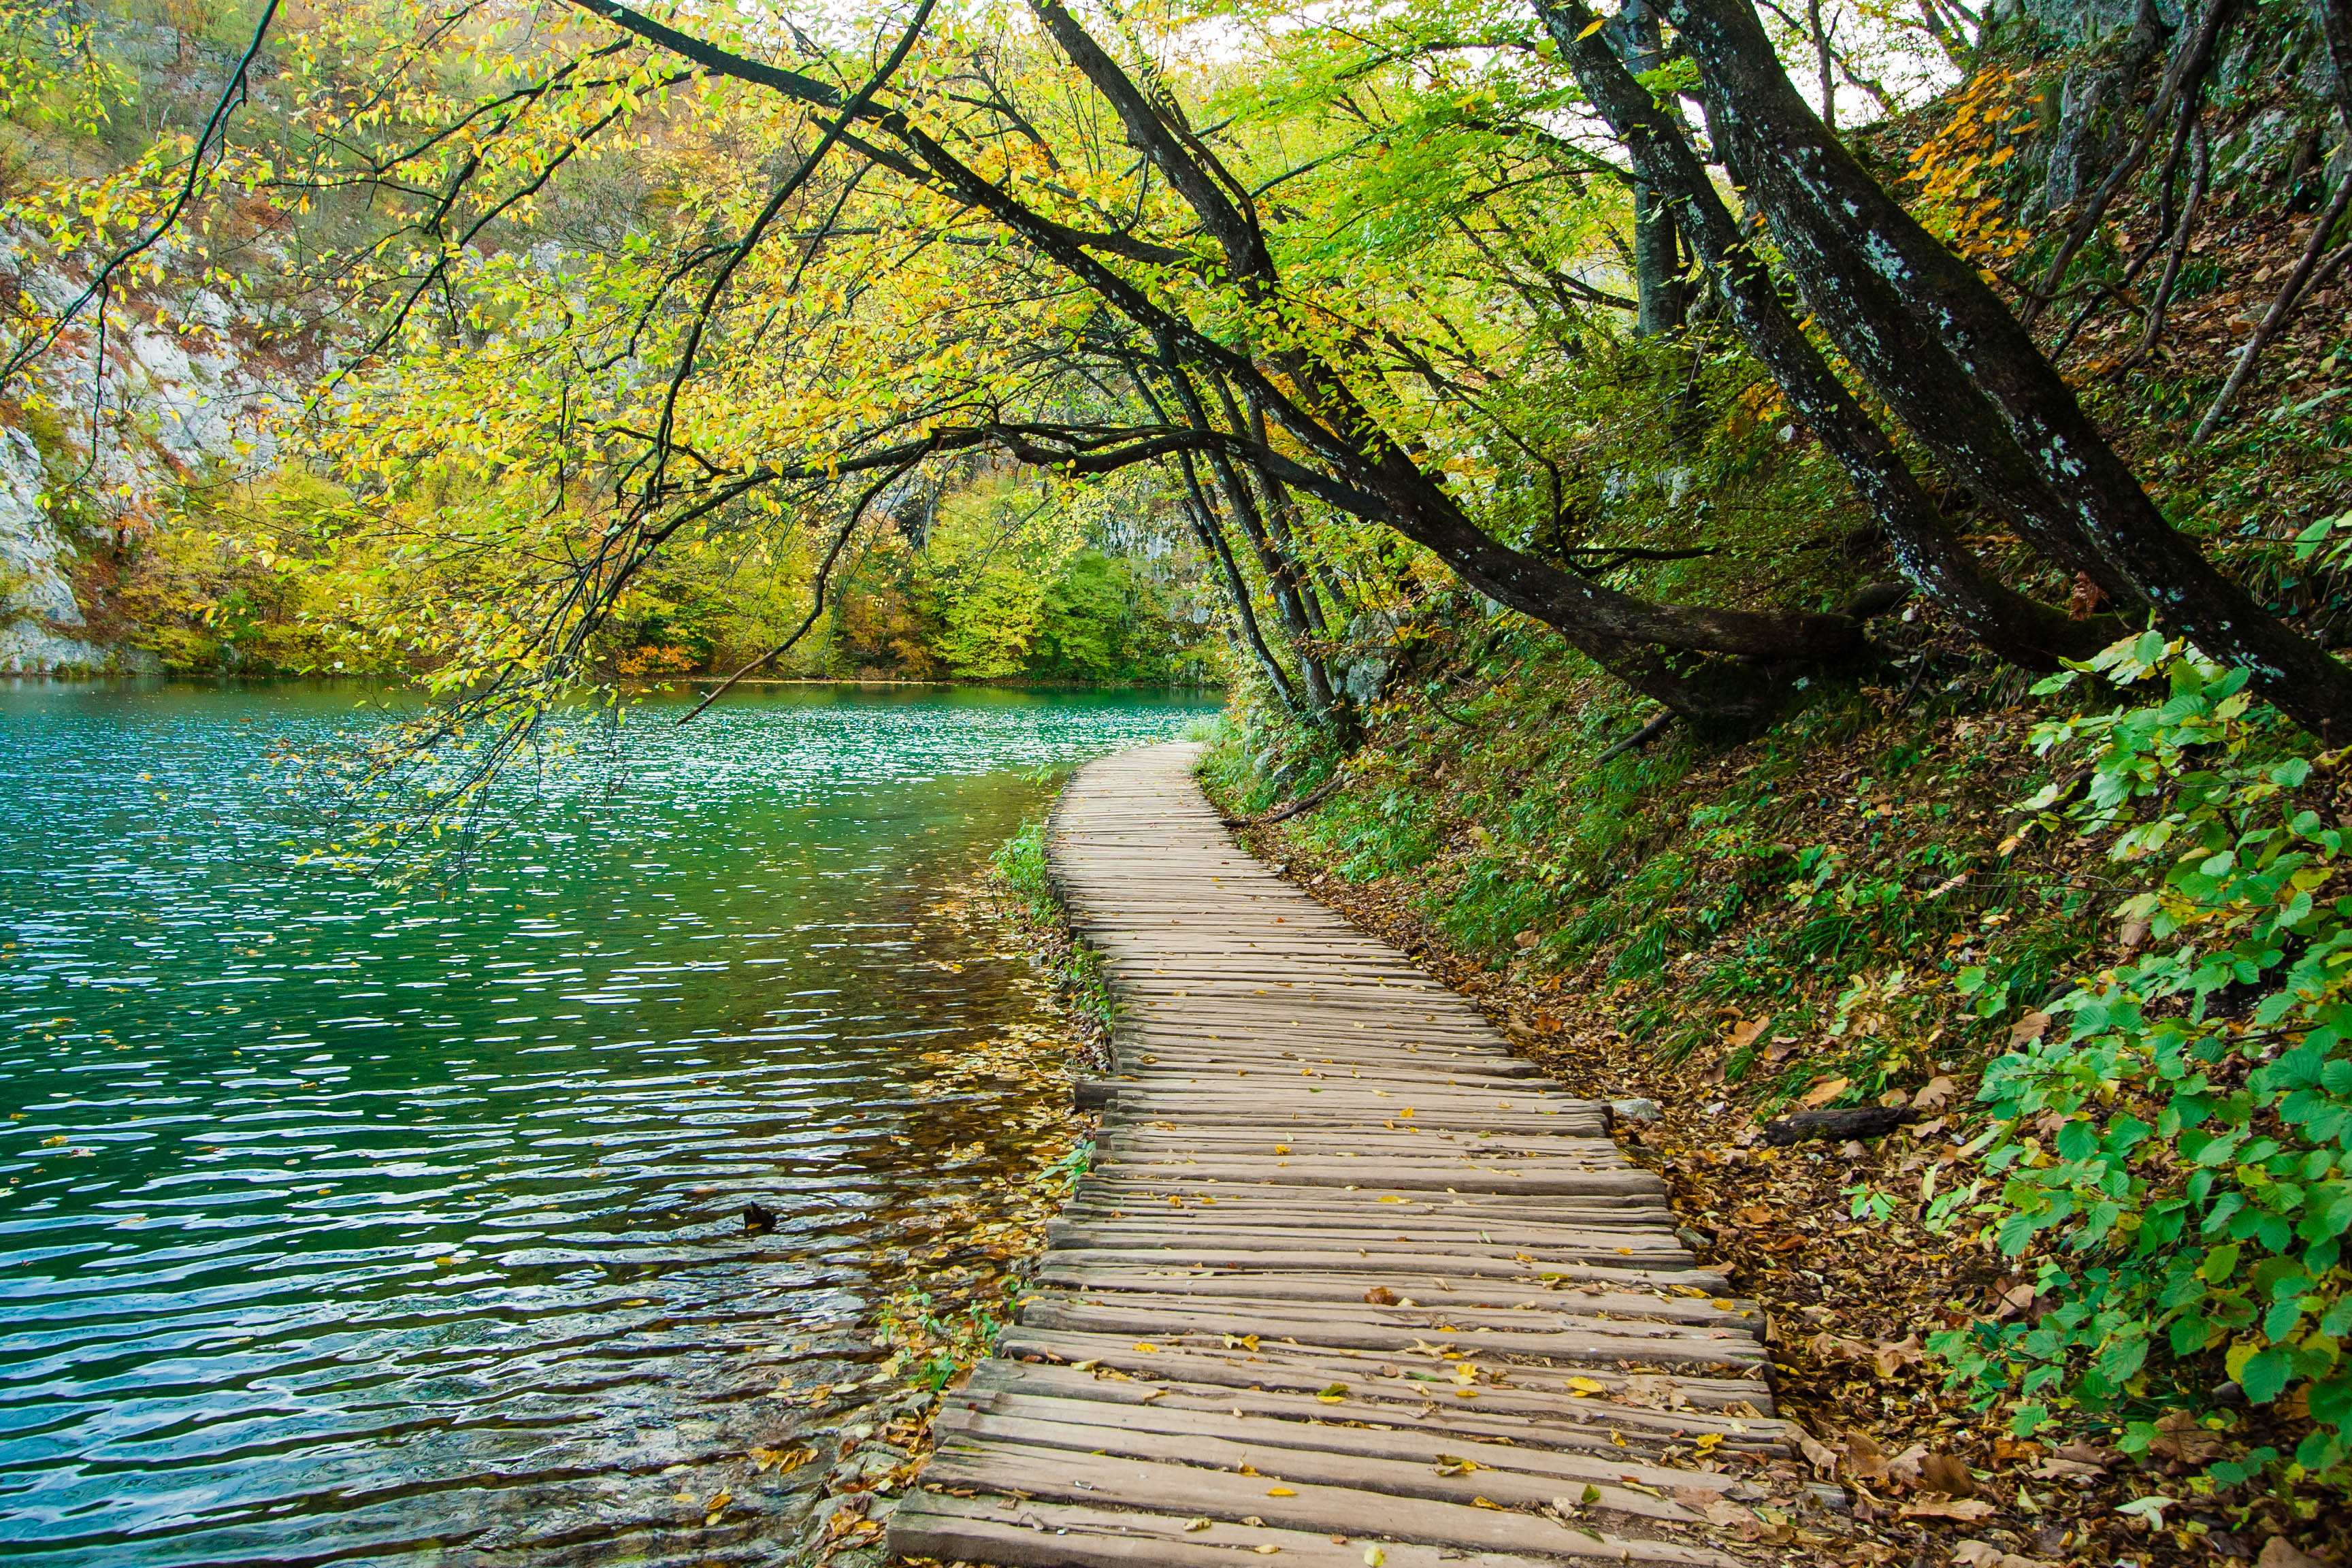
x: 1348, y: 1281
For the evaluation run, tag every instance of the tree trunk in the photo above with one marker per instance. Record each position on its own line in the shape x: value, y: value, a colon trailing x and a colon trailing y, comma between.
x: 1211, y: 531
x: 2016, y: 627
x: 1939, y: 346
x: 1328, y: 419
x: 1662, y: 300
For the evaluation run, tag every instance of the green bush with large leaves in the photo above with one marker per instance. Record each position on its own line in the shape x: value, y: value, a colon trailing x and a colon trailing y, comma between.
x: 2171, y: 1141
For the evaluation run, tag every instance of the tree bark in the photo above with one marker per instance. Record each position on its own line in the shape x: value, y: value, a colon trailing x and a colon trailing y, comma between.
x: 1860, y: 1122
x: 1617, y: 630
x: 1937, y: 344
x: 1663, y: 302
x: 1943, y: 569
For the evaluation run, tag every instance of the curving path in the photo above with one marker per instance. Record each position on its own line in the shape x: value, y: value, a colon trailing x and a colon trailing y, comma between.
x: 1348, y: 1281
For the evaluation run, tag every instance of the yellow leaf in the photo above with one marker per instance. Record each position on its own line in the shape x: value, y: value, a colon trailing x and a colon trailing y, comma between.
x: 1146, y: 1347
x: 1374, y: 1557
x: 1592, y: 27
x: 1281, y: 1491
x: 1485, y: 1502
x: 1265, y: 1549
x: 1586, y: 1385
x: 1821, y: 1093
x: 1191, y: 1525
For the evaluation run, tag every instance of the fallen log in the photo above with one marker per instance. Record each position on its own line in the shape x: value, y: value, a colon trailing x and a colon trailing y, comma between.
x: 1860, y: 1122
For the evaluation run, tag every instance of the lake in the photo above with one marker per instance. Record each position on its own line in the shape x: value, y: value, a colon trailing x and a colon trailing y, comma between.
x: 351, y: 1223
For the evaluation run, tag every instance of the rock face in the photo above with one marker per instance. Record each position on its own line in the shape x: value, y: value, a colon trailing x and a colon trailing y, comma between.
x: 1370, y: 657
x: 178, y: 403
x: 40, y: 621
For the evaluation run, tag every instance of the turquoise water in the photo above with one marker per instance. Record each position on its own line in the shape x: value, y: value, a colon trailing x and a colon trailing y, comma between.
x: 348, y: 1225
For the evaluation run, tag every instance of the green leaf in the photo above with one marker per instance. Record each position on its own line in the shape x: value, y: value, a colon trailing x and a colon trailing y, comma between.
x: 2265, y: 1375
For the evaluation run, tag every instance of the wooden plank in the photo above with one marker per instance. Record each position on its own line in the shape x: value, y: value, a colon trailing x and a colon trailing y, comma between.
x: 1297, y: 1117
x: 1600, y: 1424
x: 1310, y: 1463
x: 1380, y: 1378
x: 1029, y: 1534
x: 1183, y: 1490
x: 1412, y: 1445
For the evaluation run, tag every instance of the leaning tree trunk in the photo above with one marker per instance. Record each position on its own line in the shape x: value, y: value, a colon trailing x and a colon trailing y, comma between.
x: 1932, y: 559
x: 1647, y: 642
x: 1937, y: 343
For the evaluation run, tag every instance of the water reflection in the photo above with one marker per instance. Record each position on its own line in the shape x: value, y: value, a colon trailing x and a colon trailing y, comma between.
x: 347, y: 1225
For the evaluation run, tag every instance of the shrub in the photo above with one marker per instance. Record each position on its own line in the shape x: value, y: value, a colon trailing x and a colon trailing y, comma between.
x: 2171, y: 1138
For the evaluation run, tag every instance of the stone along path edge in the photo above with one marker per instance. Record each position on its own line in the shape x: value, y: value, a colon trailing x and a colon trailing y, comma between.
x: 1348, y: 1283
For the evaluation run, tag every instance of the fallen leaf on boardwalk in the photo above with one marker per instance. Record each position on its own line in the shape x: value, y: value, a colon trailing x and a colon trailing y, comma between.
x: 1586, y: 1385
x: 1282, y: 1148
x: 1333, y: 1395
x: 1089, y: 1366
x: 1192, y: 1524
x: 1486, y: 1503
x: 1281, y: 1491
x: 1821, y: 1093
x: 1246, y: 1470
x: 1966, y: 1510
x: 1380, y: 1296
x: 1146, y: 1347
x: 1447, y: 1465
x: 1265, y: 1549
x: 1374, y: 1557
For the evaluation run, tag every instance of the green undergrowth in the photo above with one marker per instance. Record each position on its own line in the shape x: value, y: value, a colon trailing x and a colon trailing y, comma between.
x: 2093, y: 933
x: 1018, y: 869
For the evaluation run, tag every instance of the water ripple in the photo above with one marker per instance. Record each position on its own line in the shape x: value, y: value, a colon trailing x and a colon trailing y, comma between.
x: 348, y: 1226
